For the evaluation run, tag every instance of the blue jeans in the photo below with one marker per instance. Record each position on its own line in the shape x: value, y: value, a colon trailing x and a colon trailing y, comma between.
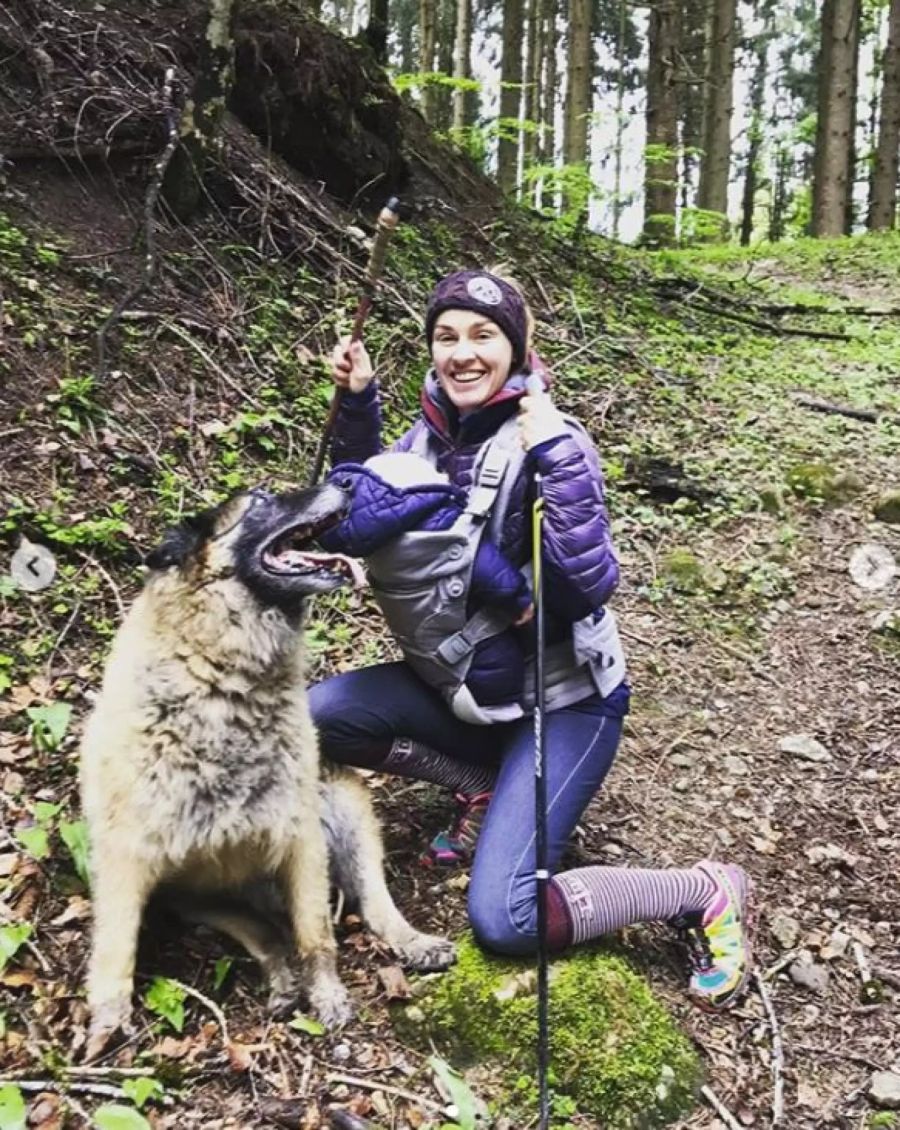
x: 365, y: 710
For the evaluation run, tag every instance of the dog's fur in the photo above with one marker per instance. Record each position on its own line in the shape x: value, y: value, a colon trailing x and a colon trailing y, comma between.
x: 200, y: 770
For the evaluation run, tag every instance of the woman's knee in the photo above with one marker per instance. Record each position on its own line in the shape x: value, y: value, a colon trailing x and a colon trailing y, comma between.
x: 498, y: 929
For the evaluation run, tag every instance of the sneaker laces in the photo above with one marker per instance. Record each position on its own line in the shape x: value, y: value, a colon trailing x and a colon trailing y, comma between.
x: 469, y: 818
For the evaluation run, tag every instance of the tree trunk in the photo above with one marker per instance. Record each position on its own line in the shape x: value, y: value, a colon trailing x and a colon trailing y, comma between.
x: 661, y: 157
x: 579, y: 91
x: 404, y: 20
x: 712, y: 195
x: 532, y: 100
x: 837, y: 98
x: 446, y: 41
x: 617, y: 204
x: 696, y: 35
x: 377, y: 29
x: 426, y: 57
x: 883, y: 213
x: 755, y: 133
x: 779, y: 194
x: 201, y: 121
x: 510, y: 96
x: 462, y: 64
x: 548, y: 95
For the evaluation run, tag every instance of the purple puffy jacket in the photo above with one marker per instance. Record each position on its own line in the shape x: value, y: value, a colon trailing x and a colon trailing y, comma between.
x: 581, y: 570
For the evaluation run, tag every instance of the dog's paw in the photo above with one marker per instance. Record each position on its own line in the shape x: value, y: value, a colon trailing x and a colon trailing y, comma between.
x: 330, y: 1002
x: 110, y: 1021
x: 427, y: 953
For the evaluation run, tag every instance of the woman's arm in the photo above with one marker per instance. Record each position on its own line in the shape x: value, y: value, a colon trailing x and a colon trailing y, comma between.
x: 357, y: 426
x: 582, y: 571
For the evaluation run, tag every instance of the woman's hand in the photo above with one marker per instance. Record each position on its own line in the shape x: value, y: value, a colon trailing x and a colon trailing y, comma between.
x: 351, y: 367
x: 539, y: 421
x: 524, y: 617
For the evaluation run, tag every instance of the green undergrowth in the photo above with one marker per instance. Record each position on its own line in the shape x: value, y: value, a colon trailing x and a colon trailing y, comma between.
x: 616, y: 1056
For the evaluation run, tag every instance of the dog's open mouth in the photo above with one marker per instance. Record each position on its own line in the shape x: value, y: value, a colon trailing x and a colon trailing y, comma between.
x: 288, y: 555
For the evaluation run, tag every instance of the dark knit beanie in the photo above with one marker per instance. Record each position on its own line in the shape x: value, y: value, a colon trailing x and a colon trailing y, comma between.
x: 484, y: 294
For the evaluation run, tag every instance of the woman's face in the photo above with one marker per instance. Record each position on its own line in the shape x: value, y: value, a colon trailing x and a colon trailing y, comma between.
x: 472, y: 357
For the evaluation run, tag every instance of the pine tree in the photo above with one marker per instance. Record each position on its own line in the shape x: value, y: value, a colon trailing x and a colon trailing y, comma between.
x: 661, y: 157
x: 427, y: 43
x: 579, y: 78
x: 883, y: 210
x: 832, y: 183
x: 462, y: 64
x: 510, y: 96
x: 712, y: 194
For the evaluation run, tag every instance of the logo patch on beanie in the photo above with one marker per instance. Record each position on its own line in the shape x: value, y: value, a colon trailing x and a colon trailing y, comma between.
x: 484, y: 291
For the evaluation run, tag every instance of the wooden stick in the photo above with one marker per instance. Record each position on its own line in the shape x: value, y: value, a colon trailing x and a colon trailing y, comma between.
x: 867, y: 415
x: 375, y: 1085
x: 722, y: 1111
x: 777, y: 1052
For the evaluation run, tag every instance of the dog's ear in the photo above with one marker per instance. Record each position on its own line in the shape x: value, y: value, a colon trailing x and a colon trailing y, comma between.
x: 183, y: 541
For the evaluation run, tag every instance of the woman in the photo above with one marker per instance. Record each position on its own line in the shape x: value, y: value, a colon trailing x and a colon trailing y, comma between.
x: 388, y: 718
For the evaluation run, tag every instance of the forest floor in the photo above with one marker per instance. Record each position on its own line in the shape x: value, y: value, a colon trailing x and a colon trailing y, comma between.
x: 743, y: 625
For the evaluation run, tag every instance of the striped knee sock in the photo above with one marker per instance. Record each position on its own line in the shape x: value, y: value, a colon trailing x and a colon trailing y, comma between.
x: 599, y: 900
x: 407, y: 758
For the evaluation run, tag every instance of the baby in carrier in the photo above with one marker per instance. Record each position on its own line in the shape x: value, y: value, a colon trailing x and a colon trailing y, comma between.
x: 452, y: 597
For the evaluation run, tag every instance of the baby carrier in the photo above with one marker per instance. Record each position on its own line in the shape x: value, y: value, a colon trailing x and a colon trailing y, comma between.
x: 422, y: 578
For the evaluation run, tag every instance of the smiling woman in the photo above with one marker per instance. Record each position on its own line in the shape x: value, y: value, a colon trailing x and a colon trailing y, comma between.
x: 489, y: 428
x: 472, y: 357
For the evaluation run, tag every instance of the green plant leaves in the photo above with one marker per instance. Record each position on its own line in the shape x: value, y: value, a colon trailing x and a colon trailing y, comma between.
x: 307, y: 1024
x: 166, y: 998
x: 114, y: 1116
x: 74, y: 835
x: 12, y: 938
x: 12, y: 1108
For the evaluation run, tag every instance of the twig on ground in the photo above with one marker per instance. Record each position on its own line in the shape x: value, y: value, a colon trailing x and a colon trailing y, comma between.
x: 780, y: 963
x: 777, y: 1052
x: 213, y: 1008
x: 722, y: 1111
x: 120, y: 603
x: 184, y: 336
x: 153, y: 191
x: 870, y: 991
x: 375, y: 1085
x: 867, y: 415
x: 107, y: 1090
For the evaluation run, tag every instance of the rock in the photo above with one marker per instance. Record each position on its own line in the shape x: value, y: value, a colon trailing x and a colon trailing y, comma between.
x: 805, y: 747
x: 736, y: 766
x: 683, y: 569
x: 884, y: 1090
x: 831, y: 853
x: 615, y: 1051
x: 887, y: 508
x: 836, y: 946
x: 887, y: 622
x: 872, y: 566
x: 785, y: 930
x: 808, y: 973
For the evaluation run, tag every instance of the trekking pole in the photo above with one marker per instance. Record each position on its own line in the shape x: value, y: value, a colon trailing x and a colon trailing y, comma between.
x: 535, y: 387
x: 388, y: 218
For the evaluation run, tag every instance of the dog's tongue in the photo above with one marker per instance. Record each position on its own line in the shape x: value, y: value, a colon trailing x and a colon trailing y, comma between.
x: 334, y: 562
x: 340, y: 560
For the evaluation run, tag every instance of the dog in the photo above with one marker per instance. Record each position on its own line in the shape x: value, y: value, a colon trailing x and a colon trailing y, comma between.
x: 200, y: 773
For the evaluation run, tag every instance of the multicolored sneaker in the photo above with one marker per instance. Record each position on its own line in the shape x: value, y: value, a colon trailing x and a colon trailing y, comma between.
x: 455, y: 846
x: 719, y: 939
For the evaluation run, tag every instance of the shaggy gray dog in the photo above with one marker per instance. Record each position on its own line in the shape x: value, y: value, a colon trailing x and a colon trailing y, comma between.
x: 200, y: 772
